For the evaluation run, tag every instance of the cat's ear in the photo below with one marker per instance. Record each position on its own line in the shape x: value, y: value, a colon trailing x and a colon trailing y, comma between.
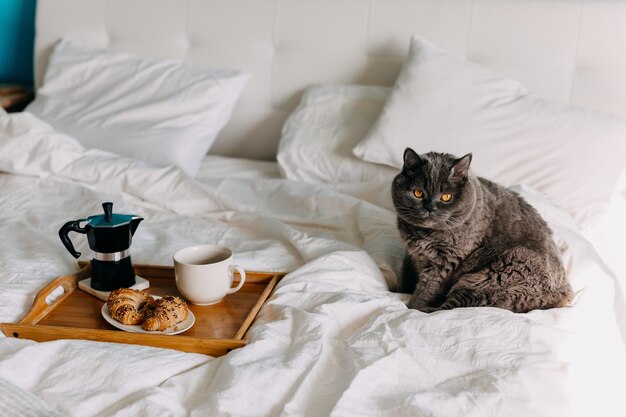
x: 460, y: 168
x: 412, y: 159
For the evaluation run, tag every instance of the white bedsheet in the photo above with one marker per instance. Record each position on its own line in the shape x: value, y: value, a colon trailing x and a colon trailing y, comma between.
x: 332, y: 339
x: 214, y: 166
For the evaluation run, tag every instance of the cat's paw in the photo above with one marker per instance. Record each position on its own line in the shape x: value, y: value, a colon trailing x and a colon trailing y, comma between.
x: 429, y: 309
x: 413, y: 304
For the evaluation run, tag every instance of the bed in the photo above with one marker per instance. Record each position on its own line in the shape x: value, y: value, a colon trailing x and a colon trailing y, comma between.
x: 126, y: 111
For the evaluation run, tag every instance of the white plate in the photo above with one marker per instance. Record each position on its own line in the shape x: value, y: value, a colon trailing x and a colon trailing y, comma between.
x: 136, y: 328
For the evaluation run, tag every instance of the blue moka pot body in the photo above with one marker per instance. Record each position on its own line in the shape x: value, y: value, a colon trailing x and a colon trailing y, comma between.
x: 109, y: 236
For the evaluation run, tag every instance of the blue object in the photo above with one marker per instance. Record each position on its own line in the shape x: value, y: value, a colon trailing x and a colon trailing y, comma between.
x: 108, y: 233
x: 109, y: 236
x: 17, y: 37
x: 110, y: 219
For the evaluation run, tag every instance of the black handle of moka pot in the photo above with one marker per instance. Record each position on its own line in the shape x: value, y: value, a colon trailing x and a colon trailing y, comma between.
x: 72, y: 226
x: 108, y: 211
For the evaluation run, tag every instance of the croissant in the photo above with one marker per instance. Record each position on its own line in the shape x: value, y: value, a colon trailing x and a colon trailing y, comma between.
x: 165, y: 312
x: 129, y: 306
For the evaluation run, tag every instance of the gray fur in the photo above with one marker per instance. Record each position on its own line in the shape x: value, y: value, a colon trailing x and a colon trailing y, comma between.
x: 486, y: 247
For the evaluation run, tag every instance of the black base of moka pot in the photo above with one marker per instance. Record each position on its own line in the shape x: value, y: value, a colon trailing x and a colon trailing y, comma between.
x: 111, y: 275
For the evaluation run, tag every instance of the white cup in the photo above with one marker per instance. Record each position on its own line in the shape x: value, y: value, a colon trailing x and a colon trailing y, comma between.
x: 204, y: 273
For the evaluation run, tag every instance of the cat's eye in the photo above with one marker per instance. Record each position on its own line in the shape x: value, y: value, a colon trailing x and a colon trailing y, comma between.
x: 446, y: 198
x: 418, y: 193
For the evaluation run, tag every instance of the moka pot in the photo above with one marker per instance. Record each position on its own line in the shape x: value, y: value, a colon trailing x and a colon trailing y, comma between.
x: 109, y: 236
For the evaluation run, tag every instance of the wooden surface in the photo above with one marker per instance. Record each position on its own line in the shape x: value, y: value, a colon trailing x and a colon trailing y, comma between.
x: 213, y: 347
x: 77, y: 315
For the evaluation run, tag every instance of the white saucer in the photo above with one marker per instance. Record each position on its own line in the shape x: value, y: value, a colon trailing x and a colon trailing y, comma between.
x: 136, y: 328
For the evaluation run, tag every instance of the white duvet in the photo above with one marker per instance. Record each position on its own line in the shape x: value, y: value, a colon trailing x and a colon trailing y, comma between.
x: 332, y: 340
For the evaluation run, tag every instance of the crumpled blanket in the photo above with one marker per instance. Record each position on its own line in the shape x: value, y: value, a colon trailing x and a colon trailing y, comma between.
x: 331, y: 341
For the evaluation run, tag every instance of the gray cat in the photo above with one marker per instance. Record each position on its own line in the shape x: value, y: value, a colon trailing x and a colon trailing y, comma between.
x: 471, y: 242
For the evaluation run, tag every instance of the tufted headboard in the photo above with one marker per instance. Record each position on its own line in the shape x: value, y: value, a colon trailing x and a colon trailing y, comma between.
x: 568, y: 50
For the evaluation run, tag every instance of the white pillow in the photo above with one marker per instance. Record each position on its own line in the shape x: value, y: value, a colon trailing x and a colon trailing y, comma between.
x: 164, y: 112
x: 318, y: 136
x: 443, y: 103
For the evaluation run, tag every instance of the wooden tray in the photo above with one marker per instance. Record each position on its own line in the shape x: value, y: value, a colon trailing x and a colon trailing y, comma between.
x: 76, y: 315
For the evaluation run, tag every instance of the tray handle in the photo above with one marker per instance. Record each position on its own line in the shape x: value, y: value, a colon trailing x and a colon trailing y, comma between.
x: 40, y: 305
